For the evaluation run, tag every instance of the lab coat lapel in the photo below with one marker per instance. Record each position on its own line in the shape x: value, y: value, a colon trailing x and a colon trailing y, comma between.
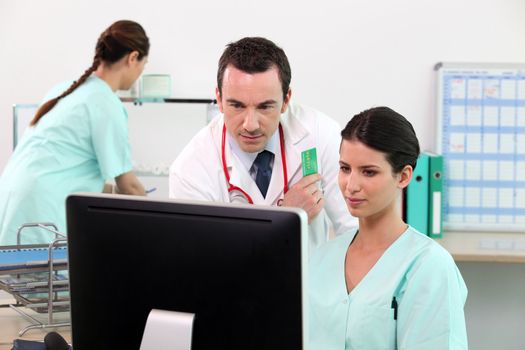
x: 294, y: 132
x: 240, y: 177
x: 275, y: 189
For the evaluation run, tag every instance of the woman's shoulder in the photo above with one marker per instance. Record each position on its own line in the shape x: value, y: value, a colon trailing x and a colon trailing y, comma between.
x: 95, y: 87
x: 427, y: 251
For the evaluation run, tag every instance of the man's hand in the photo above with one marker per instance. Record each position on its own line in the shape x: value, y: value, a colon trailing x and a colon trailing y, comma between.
x: 306, y: 195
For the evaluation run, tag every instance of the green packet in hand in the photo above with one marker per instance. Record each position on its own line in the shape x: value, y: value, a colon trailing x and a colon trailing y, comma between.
x: 309, y: 161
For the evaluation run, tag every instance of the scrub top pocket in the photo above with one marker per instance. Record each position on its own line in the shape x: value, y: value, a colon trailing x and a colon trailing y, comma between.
x: 377, y: 329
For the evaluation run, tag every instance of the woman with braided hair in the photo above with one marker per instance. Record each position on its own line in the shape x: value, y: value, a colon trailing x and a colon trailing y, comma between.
x: 77, y: 139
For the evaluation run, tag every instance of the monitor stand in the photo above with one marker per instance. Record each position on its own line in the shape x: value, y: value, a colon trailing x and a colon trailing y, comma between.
x: 167, y: 330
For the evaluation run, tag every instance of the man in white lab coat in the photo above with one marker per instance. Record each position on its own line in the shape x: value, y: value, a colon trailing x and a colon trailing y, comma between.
x: 252, y: 152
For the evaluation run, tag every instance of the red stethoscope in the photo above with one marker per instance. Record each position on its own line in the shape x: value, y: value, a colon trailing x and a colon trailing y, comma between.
x: 231, y: 187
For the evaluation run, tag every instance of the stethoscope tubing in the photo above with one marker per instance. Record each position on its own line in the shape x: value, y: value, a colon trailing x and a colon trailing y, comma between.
x: 231, y: 187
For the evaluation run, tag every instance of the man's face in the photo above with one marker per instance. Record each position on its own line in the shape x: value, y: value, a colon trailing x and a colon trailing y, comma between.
x: 252, y: 105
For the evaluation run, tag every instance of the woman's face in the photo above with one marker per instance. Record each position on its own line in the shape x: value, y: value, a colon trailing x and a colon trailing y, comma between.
x: 367, y: 181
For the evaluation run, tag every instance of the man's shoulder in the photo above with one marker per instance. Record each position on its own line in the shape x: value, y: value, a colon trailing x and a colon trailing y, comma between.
x: 301, y: 122
x: 200, y: 148
x: 309, y: 117
x: 206, y: 138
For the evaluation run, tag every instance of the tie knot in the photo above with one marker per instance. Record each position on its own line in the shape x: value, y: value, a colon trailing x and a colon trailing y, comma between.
x: 263, y: 160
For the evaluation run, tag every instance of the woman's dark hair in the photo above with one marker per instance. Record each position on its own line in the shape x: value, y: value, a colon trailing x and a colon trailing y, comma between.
x: 255, y: 55
x: 387, y: 131
x: 121, y: 38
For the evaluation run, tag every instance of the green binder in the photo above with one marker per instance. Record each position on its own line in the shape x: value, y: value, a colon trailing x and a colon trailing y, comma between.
x: 435, y: 203
x: 417, y: 196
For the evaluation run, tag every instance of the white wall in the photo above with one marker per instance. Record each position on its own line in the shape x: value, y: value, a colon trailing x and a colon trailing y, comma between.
x: 346, y: 56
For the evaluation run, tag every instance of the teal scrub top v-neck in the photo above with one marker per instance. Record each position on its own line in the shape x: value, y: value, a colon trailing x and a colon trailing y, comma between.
x: 422, y: 276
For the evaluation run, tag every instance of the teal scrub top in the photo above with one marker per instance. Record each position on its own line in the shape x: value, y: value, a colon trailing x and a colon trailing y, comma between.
x: 422, y: 276
x: 75, y: 147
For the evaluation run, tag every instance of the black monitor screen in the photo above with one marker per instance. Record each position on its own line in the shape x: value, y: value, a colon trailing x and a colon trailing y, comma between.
x: 239, y: 269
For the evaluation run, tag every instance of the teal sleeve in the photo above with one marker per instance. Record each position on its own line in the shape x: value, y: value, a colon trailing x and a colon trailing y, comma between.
x: 431, y: 308
x: 109, y: 132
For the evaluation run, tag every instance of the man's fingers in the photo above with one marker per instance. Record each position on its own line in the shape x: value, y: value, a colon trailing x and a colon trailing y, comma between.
x: 309, y: 180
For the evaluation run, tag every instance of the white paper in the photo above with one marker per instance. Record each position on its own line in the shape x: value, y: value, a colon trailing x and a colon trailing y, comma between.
x: 520, y: 171
x: 472, y: 197
x: 490, y: 116
x: 507, y: 116
x: 474, y: 143
x: 508, y: 89
x: 457, y: 143
x: 506, y: 143
x: 456, y: 170
x: 520, y: 198
x: 456, y: 196
x: 505, y: 219
x: 473, y: 171
x: 454, y: 218
x: 506, y: 198
x: 491, y: 88
x: 475, y: 89
x: 473, y: 115
x: 521, y: 89
x: 457, y: 115
x: 520, y: 116
x: 490, y: 170
x: 457, y: 89
x: 472, y: 218
x: 490, y: 143
x: 506, y: 170
x: 488, y: 219
x: 489, y: 197
x: 520, y: 143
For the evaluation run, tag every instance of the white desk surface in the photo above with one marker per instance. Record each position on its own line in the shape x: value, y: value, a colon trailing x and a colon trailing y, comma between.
x: 485, y: 247
x: 11, y: 323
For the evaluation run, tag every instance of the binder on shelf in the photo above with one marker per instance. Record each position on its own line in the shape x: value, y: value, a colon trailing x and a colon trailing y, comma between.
x: 417, y: 196
x: 435, y: 202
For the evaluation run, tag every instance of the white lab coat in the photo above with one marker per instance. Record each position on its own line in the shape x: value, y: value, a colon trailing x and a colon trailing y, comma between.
x: 197, y: 173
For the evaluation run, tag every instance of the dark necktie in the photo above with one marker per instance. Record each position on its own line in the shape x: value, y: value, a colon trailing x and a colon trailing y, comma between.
x: 264, y: 171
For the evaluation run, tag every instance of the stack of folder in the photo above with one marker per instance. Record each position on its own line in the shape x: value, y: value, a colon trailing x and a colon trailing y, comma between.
x: 424, y: 196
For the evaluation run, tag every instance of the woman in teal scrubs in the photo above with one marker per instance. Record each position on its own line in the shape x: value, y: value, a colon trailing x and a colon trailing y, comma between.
x: 77, y: 139
x: 385, y: 286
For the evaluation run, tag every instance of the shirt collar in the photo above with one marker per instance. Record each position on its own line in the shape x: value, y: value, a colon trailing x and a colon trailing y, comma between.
x: 246, y: 158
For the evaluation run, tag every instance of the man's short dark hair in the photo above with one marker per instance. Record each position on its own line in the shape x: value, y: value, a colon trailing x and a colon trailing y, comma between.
x: 255, y: 55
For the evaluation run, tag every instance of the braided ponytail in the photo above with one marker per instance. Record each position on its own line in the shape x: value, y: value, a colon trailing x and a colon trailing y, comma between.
x: 46, y: 107
x: 121, y: 38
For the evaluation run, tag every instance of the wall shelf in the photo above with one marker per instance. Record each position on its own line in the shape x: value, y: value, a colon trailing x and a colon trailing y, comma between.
x: 140, y: 101
x: 485, y: 246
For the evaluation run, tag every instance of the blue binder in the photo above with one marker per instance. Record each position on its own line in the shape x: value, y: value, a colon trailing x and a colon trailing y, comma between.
x: 417, y: 195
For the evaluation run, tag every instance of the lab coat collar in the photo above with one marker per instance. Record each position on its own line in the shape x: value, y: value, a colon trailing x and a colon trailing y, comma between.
x: 294, y: 132
x: 246, y: 158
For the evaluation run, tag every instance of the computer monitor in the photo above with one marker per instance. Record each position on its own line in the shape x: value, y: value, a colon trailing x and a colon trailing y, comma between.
x: 239, y: 269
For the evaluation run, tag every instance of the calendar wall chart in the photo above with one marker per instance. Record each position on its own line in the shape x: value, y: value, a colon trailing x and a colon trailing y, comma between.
x: 481, y: 134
